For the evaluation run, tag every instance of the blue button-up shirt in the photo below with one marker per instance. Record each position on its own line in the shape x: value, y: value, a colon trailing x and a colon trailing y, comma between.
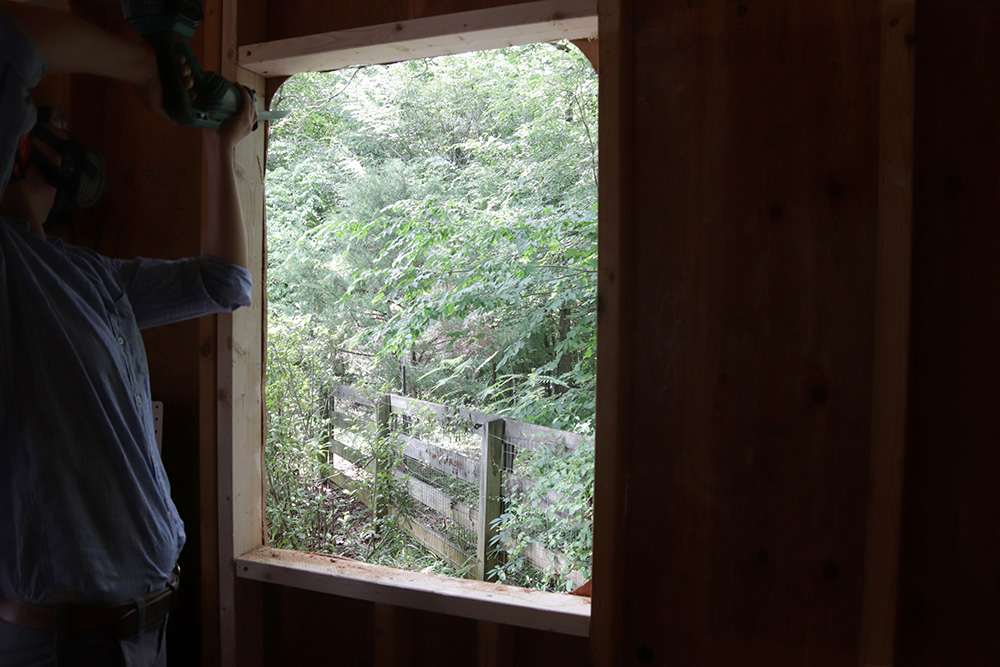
x: 84, y: 501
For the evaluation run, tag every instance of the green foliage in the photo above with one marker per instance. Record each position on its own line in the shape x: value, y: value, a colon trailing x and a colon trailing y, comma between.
x: 439, y: 215
x: 555, y: 510
x: 307, y: 508
x: 301, y: 512
x: 443, y: 213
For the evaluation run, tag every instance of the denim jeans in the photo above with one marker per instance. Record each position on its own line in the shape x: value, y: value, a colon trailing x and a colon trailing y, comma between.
x: 21, y: 647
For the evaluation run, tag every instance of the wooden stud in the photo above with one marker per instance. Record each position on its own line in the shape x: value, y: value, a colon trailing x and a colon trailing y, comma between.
x: 393, y: 635
x: 614, y: 285
x: 240, y: 392
x: 495, y: 644
x: 892, y: 335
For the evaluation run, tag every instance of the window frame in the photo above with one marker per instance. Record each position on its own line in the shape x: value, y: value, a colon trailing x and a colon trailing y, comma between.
x: 239, y: 406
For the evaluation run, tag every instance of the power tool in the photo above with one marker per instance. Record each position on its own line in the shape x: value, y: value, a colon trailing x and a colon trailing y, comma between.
x: 168, y: 26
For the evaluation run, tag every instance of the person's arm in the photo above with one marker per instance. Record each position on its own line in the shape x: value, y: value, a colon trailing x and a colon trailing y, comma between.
x: 70, y: 44
x: 223, y: 236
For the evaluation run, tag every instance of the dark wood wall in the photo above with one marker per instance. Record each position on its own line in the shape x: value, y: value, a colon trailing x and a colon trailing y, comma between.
x: 750, y: 260
x: 743, y: 157
x: 948, y: 579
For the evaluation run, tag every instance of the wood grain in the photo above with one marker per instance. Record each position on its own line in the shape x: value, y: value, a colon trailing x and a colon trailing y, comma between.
x: 755, y: 191
x: 892, y: 333
x: 552, y: 612
x: 541, y: 21
x: 949, y: 583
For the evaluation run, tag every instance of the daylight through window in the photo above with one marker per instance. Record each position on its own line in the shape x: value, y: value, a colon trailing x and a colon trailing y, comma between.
x: 431, y: 325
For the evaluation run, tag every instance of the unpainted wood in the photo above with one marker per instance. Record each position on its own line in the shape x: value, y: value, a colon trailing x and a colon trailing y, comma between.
x: 495, y: 644
x: 423, y: 409
x: 240, y: 391
x: 440, y: 545
x: 749, y: 331
x: 393, y: 636
x: 591, y: 49
x: 453, y: 510
x: 892, y: 334
x: 529, y: 436
x: 332, y: 575
x: 345, y: 393
x: 294, y: 18
x: 615, y: 294
x: 252, y: 624
x: 490, y: 498
x: 540, y: 21
x: 383, y: 430
x: 441, y: 459
x: 308, y: 628
x: 948, y: 580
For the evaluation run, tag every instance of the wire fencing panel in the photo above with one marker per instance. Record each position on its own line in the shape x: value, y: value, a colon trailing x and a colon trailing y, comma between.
x: 470, y: 479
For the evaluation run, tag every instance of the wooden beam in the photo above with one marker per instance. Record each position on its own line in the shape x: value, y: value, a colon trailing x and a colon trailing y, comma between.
x: 437, y: 500
x: 528, y: 436
x: 240, y: 395
x: 551, y: 612
x: 614, y: 285
x: 490, y: 497
x: 240, y: 386
x: 437, y: 543
x: 441, y: 459
x: 423, y: 409
x: 892, y: 334
x: 496, y: 27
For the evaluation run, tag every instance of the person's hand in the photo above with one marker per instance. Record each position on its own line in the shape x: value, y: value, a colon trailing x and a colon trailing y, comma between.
x: 150, y: 91
x: 233, y: 130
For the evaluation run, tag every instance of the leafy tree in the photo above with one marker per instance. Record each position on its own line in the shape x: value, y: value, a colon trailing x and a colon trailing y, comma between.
x: 439, y: 215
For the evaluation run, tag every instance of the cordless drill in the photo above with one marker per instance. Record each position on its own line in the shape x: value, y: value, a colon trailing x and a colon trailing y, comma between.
x: 168, y: 25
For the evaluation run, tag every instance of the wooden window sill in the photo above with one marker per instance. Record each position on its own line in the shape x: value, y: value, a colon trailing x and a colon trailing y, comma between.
x: 552, y: 612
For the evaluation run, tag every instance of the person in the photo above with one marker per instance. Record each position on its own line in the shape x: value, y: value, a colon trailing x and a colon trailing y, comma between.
x: 89, y: 536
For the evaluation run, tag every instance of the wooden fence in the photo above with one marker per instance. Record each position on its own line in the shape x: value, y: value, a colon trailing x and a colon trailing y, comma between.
x: 501, y: 439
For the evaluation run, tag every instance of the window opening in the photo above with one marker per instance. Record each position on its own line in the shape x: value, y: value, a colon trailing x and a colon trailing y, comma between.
x: 431, y: 326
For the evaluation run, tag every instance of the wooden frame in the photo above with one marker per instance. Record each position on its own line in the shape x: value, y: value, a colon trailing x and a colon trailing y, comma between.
x: 239, y: 337
x: 478, y: 30
x: 552, y: 612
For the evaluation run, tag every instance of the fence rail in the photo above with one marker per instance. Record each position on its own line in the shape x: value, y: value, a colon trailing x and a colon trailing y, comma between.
x: 490, y: 469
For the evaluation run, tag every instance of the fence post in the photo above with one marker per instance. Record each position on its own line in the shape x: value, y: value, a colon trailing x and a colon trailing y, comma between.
x: 382, y: 466
x: 490, y: 496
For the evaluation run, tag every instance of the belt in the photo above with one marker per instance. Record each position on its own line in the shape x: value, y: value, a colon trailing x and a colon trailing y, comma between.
x: 122, y: 618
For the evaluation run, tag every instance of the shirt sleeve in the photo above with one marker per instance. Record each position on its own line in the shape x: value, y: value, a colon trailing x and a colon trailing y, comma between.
x: 21, y: 68
x: 165, y: 291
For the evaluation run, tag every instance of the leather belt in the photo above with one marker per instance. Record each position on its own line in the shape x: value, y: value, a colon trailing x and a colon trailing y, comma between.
x: 122, y: 618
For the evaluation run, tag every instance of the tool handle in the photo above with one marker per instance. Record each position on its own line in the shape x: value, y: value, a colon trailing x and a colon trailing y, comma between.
x: 217, y: 98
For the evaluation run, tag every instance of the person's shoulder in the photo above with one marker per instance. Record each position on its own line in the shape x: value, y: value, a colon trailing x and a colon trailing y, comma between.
x: 90, y: 261
x: 13, y: 230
